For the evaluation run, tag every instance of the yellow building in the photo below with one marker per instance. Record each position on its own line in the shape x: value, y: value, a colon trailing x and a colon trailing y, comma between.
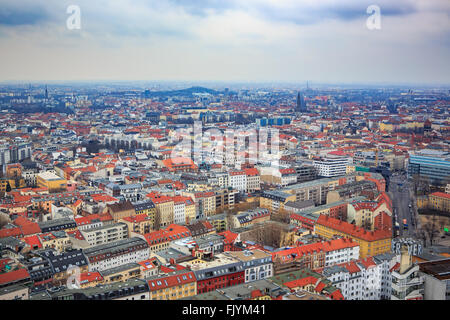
x: 173, y: 286
x: 121, y: 273
x: 275, y: 200
x: 164, y: 211
x: 58, y: 240
x: 439, y: 201
x: 140, y: 223
x: 422, y: 202
x: 370, y: 242
x: 386, y: 127
x: 51, y: 181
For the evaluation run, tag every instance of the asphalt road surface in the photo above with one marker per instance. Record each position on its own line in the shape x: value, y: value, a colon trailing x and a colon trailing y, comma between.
x: 400, y: 190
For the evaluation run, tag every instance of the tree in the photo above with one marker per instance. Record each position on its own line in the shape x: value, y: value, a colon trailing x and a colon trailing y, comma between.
x: 431, y: 228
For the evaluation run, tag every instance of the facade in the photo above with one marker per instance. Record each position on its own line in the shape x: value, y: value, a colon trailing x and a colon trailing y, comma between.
x: 164, y: 211
x: 431, y: 166
x: 275, y: 200
x: 407, y: 282
x: 253, y: 180
x: 366, y: 279
x: 257, y: 264
x: 146, y: 207
x: 439, y: 201
x: 140, y: 223
x: 121, y: 210
x: 172, y: 286
x: 51, y: 181
x: 161, y: 239
x: 133, y: 289
x: 221, y: 272
x: 238, y: 180
x: 106, y: 234
x: 117, y: 253
x: 370, y: 242
x: 436, y: 279
x: 332, y: 166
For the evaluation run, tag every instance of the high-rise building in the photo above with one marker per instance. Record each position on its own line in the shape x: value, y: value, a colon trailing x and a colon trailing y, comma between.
x: 301, y: 106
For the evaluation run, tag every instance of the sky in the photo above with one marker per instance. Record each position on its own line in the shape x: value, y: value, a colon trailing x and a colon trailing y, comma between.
x: 325, y: 41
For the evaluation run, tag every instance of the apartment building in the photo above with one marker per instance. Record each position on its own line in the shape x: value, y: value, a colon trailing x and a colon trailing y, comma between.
x: 257, y: 264
x: 332, y: 166
x: 221, y: 272
x: 105, y: 234
x: 172, y: 286
x: 370, y: 242
x: 365, y: 279
x: 275, y: 200
x: 114, y: 254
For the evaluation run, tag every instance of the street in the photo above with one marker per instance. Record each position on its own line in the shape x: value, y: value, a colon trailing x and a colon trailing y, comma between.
x: 400, y: 191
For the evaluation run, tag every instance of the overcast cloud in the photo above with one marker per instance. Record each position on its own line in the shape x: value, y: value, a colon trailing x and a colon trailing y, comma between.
x: 255, y: 40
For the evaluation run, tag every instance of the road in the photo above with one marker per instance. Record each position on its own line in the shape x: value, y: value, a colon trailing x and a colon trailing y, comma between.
x: 400, y: 190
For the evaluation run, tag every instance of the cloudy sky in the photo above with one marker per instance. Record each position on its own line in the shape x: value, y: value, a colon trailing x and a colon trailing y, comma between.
x: 228, y: 40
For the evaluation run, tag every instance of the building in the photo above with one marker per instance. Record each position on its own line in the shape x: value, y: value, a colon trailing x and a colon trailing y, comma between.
x: 66, y: 224
x: 407, y: 282
x: 120, y: 210
x: 51, y: 181
x: 140, y: 224
x: 365, y: 279
x: 14, y: 292
x: 436, y: 279
x: 161, y: 239
x: 114, y: 254
x: 305, y: 279
x: 146, y: 207
x: 430, y: 166
x: 105, y: 234
x: 238, y: 180
x: 65, y: 264
x: 121, y: 273
x: 256, y: 290
x: 332, y: 166
x: 253, y: 180
x: 275, y: 200
x: 221, y: 272
x: 172, y: 286
x: 439, y: 201
x: 370, y: 242
x: 257, y: 264
x: 164, y: 211
x: 133, y: 289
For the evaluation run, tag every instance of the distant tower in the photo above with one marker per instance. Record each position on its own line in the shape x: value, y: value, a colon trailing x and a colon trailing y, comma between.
x: 46, y: 93
x: 301, y: 106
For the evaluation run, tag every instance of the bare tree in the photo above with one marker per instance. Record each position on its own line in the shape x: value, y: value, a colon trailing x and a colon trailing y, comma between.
x: 431, y: 228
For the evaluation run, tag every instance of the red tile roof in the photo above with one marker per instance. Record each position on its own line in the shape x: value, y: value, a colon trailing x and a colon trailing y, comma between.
x: 171, y: 280
x: 172, y: 232
x: 14, y: 276
x: 353, y: 230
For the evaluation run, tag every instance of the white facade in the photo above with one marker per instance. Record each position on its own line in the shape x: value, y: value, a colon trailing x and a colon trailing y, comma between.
x: 179, y: 212
x: 342, y: 255
x: 117, y: 253
x: 332, y: 166
x: 238, y: 181
x: 105, y: 234
x: 367, y: 279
